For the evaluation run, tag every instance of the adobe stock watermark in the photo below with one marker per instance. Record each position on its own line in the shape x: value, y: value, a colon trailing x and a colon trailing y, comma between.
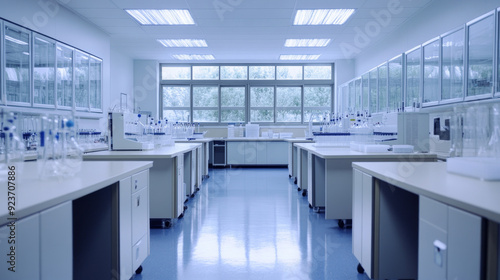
x: 223, y: 6
x: 364, y: 36
x: 48, y: 9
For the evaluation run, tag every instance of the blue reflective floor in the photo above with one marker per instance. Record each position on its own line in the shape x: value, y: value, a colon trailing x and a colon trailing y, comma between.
x: 250, y: 223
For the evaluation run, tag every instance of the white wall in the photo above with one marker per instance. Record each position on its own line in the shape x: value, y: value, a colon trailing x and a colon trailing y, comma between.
x: 51, y: 19
x: 146, y: 86
x: 122, y: 79
x: 439, y: 17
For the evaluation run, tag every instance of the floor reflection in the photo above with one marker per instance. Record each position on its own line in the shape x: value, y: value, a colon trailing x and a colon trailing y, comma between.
x: 250, y: 223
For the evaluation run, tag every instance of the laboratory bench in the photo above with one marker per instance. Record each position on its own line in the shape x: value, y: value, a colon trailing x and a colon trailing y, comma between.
x: 172, y: 178
x: 262, y: 151
x: 416, y: 220
x: 204, y: 152
x: 293, y: 156
x: 93, y: 225
x: 325, y: 175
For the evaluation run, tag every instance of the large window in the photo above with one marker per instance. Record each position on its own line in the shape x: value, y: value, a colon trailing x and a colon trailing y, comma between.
x: 262, y: 104
x: 284, y: 94
x: 176, y: 103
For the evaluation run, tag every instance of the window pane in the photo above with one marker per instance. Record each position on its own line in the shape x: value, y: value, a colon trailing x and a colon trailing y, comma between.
x: 283, y: 115
x: 205, y: 72
x: 453, y: 65
x: 413, y: 78
x: 233, y: 115
x: 395, y: 84
x: 232, y: 96
x: 261, y: 115
x: 317, y: 72
x: 64, y: 56
x: 262, y: 72
x: 382, y: 88
x: 365, y: 92
x: 81, y: 80
x: 317, y: 96
x: 176, y: 96
x: 288, y: 96
x: 205, y: 115
x: 373, y: 90
x: 233, y: 72
x: 262, y: 97
x: 176, y: 73
x: 95, y: 83
x: 316, y: 115
x: 44, y: 71
x: 17, y: 64
x: 205, y: 96
x: 289, y: 72
x: 481, y: 46
x: 176, y: 115
x: 431, y: 72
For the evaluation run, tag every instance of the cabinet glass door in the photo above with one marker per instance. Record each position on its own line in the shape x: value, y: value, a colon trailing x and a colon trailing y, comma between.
x: 352, y: 98
x: 357, y: 105
x: 382, y: 88
x: 395, y: 84
x: 498, y: 54
x: 480, y: 57
x: 452, y: 69
x: 365, y: 92
x: 1, y: 63
x: 44, y: 71
x: 432, y: 92
x: 64, y: 76
x: 17, y: 65
x: 413, y: 70
x: 373, y: 90
x: 95, y: 84
x: 81, y: 81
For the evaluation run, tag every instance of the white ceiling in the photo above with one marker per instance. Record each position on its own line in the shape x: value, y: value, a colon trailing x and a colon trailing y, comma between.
x: 239, y: 30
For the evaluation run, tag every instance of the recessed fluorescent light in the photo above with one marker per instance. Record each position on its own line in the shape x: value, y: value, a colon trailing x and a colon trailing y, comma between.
x: 162, y: 17
x: 193, y: 56
x: 299, y: 56
x: 14, y: 40
x: 322, y: 16
x: 183, y: 43
x: 293, y: 43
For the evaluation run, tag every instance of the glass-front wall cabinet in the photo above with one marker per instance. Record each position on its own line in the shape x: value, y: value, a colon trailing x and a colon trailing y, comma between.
x: 95, y: 90
x: 17, y: 57
x: 395, y: 90
x: 44, y: 71
x: 357, y: 104
x: 452, y: 65
x: 480, y: 57
x: 413, y: 70
x: 365, y: 92
x: 432, y: 93
x: 373, y: 74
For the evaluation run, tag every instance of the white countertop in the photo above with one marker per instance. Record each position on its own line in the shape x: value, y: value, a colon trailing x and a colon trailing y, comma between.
x: 197, y: 140
x: 33, y: 194
x: 345, y: 152
x: 298, y: 140
x: 253, y: 139
x: 163, y: 152
x: 431, y: 179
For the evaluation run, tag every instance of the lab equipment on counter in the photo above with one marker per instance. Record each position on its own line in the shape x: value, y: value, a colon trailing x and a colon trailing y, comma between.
x: 128, y: 133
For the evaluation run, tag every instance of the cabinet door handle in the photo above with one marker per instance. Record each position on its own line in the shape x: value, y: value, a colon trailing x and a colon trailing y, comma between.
x: 439, y: 249
x: 135, y: 184
x: 138, y: 201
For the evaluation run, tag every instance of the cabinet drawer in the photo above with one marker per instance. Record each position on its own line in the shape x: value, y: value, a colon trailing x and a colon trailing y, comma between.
x: 139, y: 252
x: 140, y: 181
x: 140, y: 210
x: 432, y: 263
x: 434, y: 212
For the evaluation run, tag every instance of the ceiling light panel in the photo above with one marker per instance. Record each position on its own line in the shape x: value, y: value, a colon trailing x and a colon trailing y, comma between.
x: 193, y: 56
x: 322, y: 16
x: 162, y: 17
x: 299, y: 56
x: 297, y: 43
x: 183, y: 43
